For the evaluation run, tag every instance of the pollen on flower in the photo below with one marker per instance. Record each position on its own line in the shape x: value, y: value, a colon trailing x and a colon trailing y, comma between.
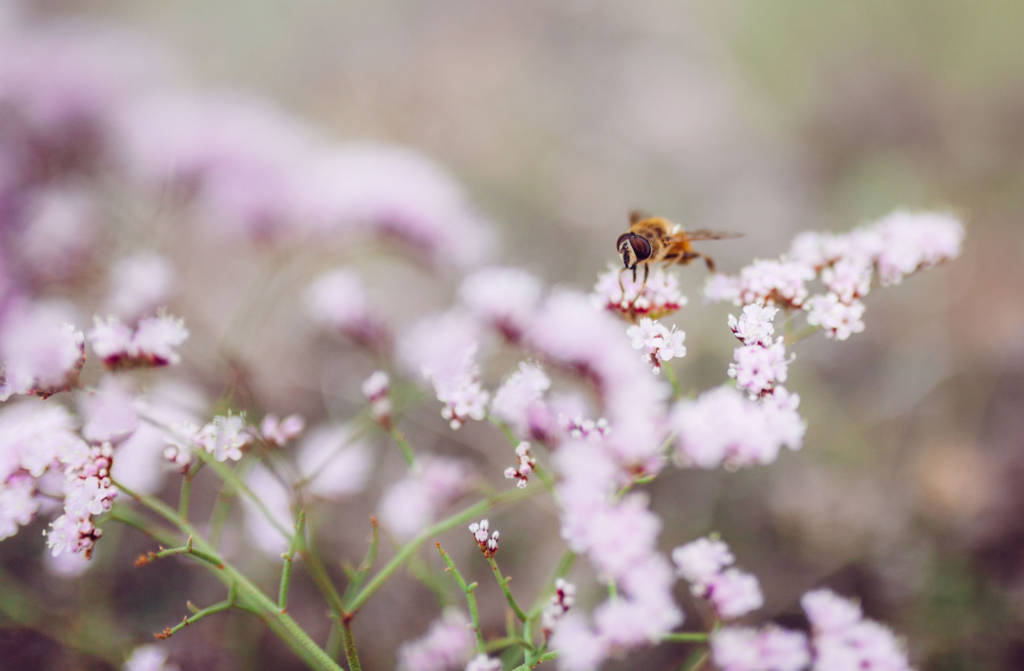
x: 658, y: 342
x: 617, y: 292
x: 521, y: 472
x: 486, y: 539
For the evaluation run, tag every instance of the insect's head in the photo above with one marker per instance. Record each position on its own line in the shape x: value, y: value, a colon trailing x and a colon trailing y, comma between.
x: 633, y: 249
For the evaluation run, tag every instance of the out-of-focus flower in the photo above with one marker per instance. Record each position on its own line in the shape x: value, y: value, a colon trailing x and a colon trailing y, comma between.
x: 57, y: 227
x: 332, y: 462
x: 262, y: 534
x: 442, y: 349
x: 281, y: 431
x: 912, y: 241
x: 658, y: 342
x: 224, y: 437
x: 841, y: 639
x: 519, y: 395
x: 40, y: 353
x: 109, y: 412
x: 395, y: 193
x: 152, y: 343
x: 17, y: 504
x: 722, y: 425
x: 705, y: 563
x: 504, y: 298
x: 66, y: 565
x: 446, y: 646
x: 410, y: 504
x: 150, y: 657
x: 337, y: 301
x: 524, y: 466
x: 139, y: 284
x: 484, y: 663
x: 769, y: 649
x: 618, y: 292
x: 486, y: 539
x: 700, y: 560
x: 579, y: 647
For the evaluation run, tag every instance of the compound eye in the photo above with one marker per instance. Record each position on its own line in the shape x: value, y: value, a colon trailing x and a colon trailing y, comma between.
x: 641, y: 247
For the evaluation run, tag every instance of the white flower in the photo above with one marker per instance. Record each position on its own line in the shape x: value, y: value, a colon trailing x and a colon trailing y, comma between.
x: 755, y: 325
x: 700, y: 560
x: 839, y: 320
x: 757, y: 368
x: 659, y: 343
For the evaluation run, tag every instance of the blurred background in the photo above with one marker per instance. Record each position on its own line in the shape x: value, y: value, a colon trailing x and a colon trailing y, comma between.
x: 557, y: 119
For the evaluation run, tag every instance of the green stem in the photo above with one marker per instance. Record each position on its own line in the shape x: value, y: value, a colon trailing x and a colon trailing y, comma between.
x: 670, y: 375
x: 289, y: 558
x: 231, y: 478
x: 186, y: 549
x: 686, y: 637
x: 534, y: 663
x: 197, y: 615
x: 470, y: 598
x: 186, y: 492
x: 403, y: 444
x: 349, y: 643
x: 333, y: 646
x: 251, y: 597
x: 503, y: 584
x: 461, y: 517
x: 359, y: 575
x: 507, y: 642
x: 695, y: 660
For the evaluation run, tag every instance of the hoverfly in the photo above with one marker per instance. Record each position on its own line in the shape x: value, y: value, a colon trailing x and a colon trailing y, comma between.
x: 658, y: 240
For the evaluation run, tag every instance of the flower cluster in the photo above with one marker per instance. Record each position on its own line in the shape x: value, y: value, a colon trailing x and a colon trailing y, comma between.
x: 443, y: 350
x: 487, y: 542
x: 893, y: 247
x: 414, y: 501
x: 723, y: 426
x: 760, y: 362
x: 706, y: 564
x: 620, y: 293
x: 40, y: 352
x: 88, y: 491
x: 152, y: 343
x: 840, y: 639
x: 521, y: 472
x: 518, y: 400
x: 658, y: 342
x: 337, y: 302
x: 447, y: 645
x: 504, y: 298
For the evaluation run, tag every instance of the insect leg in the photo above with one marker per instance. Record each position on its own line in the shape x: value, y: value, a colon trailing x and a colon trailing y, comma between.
x: 647, y: 272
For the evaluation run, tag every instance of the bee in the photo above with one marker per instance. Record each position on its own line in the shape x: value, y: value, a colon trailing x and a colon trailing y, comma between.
x: 658, y: 240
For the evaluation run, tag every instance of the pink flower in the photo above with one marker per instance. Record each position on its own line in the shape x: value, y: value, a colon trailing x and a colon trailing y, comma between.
x: 17, y: 504
x: 617, y: 292
x: 579, y: 647
x: 333, y: 462
x: 755, y: 325
x: 911, y: 241
x: 109, y: 411
x: 700, y: 560
x: 152, y: 343
x: 446, y: 646
x: 40, y: 353
x: 337, y: 301
x: 658, y: 342
x: 58, y: 225
x: 486, y: 539
x: 224, y: 437
x: 829, y: 612
x: 519, y: 395
x: 139, y: 284
x: 768, y: 649
x: 281, y: 431
x: 504, y: 298
x: 839, y: 320
x: 757, y: 368
x: 733, y: 593
x: 413, y: 502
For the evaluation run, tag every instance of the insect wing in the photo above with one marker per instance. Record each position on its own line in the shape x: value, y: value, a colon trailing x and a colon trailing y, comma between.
x: 704, y: 234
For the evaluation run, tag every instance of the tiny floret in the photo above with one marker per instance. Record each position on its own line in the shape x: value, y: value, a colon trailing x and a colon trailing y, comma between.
x: 485, y: 539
